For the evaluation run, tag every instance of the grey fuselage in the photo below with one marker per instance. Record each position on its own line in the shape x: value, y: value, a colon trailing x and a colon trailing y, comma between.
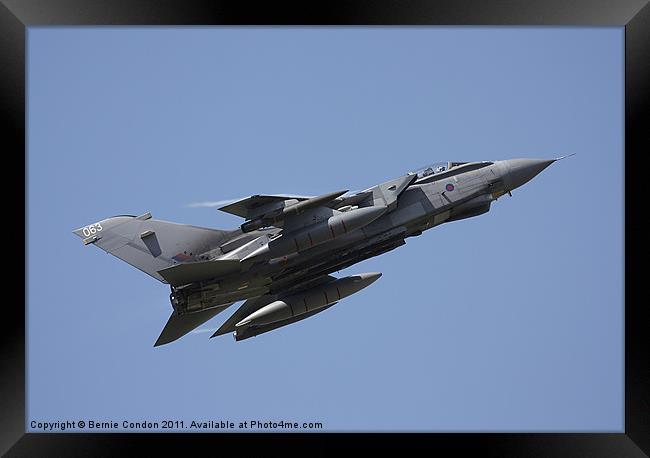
x: 459, y: 192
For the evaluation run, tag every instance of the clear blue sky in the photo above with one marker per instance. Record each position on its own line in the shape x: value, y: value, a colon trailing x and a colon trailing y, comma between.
x: 512, y: 321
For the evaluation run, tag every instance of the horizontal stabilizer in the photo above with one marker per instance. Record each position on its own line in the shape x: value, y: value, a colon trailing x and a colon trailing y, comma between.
x: 183, y: 274
x: 179, y: 325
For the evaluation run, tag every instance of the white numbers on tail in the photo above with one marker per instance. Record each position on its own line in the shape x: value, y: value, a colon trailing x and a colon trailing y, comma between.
x: 92, y: 229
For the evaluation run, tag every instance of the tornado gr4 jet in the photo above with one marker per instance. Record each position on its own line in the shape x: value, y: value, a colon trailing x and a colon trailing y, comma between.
x: 280, y: 259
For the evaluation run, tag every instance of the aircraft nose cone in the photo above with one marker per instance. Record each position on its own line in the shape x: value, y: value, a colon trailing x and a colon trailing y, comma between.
x: 521, y: 171
x: 366, y: 278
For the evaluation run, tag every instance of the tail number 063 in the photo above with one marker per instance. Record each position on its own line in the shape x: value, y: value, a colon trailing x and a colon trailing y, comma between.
x: 92, y: 229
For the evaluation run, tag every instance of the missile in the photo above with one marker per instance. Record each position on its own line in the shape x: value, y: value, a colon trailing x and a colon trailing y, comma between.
x: 335, y: 226
x: 310, y: 300
x: 300, y: 207
x: 295, y: 209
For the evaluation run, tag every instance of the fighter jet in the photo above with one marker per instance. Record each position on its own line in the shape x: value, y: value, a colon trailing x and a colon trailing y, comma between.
x: 280, y: 259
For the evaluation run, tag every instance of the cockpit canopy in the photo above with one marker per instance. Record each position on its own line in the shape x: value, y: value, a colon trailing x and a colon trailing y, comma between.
x: 436, y: 168
x: 441, y: 170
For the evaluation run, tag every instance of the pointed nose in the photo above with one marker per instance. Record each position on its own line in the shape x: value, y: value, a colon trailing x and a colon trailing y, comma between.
x: 521, y: 171
x: 367, y: 278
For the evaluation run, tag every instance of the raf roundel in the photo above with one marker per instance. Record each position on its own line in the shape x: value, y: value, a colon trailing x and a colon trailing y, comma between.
x: 449, y: 187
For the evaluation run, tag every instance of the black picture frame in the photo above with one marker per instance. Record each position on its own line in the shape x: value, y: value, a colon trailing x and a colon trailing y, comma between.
x: 634, y: 15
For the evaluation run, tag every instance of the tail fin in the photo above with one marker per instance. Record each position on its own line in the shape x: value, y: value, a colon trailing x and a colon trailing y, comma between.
x: 150, y: 244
